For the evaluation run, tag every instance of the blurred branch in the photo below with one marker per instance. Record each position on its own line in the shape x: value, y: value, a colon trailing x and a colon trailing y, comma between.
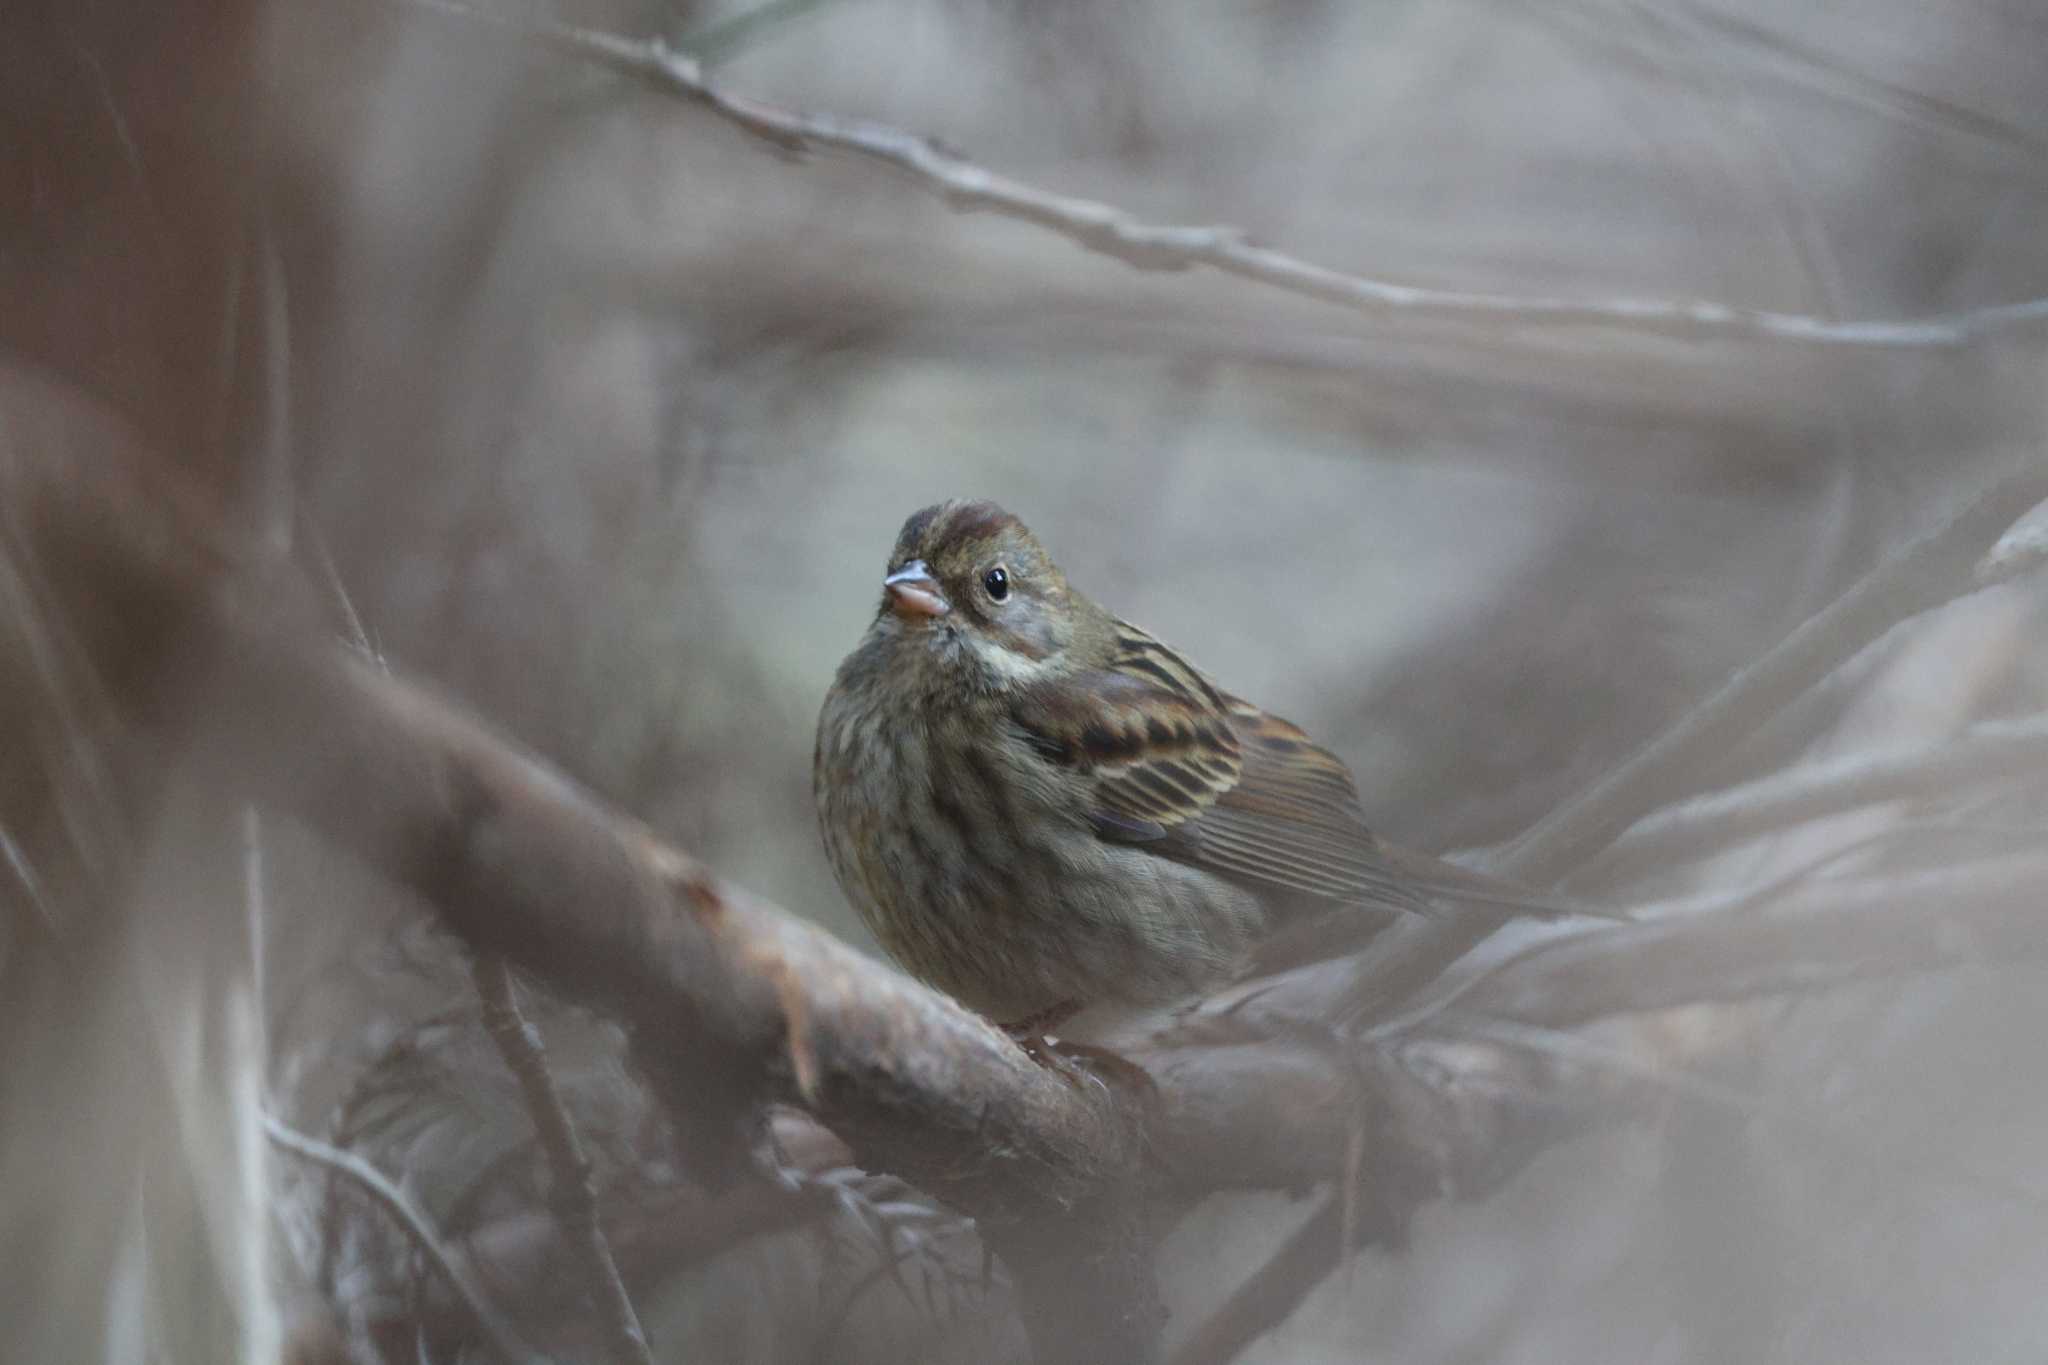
x: 1930, y: 570
x: 1837, y: 935
x: 1830, y: 935
x: 504, y: 1338
x: 1110, y: 231
x: 656, y: 1235
x: 2022, y: 549
x: 1986, y: 752
x: 725, y: 38
x: 571, y: 1194
x: 1811, y: 67
x: 1738, y: 50
x: 731, y: 1005
x: 1270, y: 1294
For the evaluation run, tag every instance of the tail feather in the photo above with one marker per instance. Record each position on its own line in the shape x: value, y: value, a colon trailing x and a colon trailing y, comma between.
x: 1439, y: 879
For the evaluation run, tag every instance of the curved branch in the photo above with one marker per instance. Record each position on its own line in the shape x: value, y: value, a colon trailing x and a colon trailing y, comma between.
x: 1110, y: 231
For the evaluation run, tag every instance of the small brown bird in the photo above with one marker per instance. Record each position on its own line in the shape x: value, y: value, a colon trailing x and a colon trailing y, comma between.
x: 1038, y: 807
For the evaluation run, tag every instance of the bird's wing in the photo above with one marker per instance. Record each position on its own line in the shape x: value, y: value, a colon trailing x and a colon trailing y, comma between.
x: 1153, y: 740
x: 1194, y: 774
x: 1293, y: 820
x: 1205, y: 778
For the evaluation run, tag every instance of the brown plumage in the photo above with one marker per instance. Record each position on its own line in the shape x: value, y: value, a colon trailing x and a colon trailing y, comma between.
x: 1033, y: 803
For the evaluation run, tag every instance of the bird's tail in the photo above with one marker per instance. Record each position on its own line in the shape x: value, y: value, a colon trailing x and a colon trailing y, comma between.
x: 1440, y: 880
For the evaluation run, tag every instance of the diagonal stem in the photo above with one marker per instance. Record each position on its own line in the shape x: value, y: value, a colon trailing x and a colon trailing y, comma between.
x: 571, y: 1191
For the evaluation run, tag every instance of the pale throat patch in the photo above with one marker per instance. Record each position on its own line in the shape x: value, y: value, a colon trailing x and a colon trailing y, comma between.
x: 1010, y: 666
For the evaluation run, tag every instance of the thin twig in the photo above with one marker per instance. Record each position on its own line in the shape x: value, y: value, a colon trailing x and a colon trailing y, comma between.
x: 571, y: 1192
x: 274, y: 480
x: 330, y: 576
x: 504, y: 1337
x: 1110, y: 231
x: 31, y: 885
x: 256, y: 909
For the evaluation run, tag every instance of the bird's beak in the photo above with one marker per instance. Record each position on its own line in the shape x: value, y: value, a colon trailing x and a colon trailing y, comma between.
x: 913, y: 592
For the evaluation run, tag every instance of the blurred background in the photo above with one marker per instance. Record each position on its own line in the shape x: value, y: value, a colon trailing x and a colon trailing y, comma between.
x: 602, y: 415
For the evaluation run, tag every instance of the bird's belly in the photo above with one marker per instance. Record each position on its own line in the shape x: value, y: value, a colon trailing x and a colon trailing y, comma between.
x: 999, y: 894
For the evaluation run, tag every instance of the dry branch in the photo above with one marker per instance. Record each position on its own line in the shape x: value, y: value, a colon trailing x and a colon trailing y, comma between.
x: 732, y: 1005
x: 1110, y: 231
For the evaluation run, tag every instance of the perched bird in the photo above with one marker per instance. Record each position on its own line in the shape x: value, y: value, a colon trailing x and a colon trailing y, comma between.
x: 1037, y: 807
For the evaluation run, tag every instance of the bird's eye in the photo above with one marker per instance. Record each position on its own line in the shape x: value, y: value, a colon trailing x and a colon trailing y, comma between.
x: 996, y: 583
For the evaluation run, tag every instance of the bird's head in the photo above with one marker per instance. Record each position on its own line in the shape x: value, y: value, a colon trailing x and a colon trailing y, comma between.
x: 971, y: 587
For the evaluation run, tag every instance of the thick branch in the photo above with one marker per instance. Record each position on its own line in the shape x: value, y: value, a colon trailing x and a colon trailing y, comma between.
x: 518, y: 860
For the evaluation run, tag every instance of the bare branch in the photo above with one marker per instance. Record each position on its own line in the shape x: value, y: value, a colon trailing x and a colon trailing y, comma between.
x: 1110, y: 231
x: 503, y: 1336
x: 571, y: 1192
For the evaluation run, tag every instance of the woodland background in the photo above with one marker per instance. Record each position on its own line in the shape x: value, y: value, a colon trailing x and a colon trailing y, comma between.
x: 600, y: 413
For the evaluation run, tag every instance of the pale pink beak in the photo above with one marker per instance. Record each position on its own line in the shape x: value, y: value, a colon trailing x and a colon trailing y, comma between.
x: 913, y: 592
